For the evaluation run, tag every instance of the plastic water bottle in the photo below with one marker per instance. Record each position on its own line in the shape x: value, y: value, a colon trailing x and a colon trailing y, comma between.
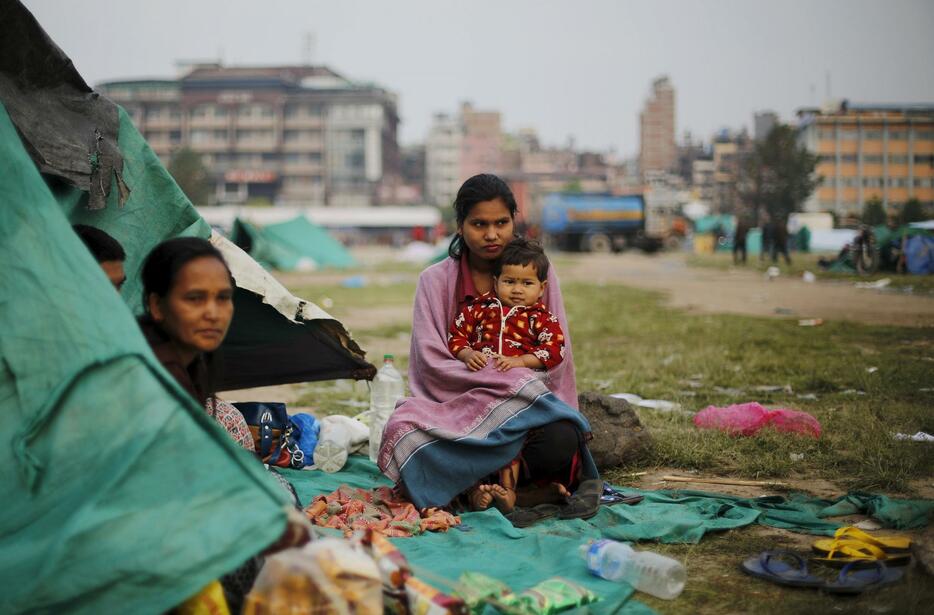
x: 648, y: 572
x: 386, y: 389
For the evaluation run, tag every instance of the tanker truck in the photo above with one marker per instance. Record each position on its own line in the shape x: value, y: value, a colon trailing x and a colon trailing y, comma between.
x: 589, y: 222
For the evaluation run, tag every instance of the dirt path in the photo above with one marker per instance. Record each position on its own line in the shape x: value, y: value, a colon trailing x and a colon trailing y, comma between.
x: 746, y: 292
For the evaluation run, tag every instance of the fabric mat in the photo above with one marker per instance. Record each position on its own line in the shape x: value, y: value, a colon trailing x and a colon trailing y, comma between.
x: 521, y: 558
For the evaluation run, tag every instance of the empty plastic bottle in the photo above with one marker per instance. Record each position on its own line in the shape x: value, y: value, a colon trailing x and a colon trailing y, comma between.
x: 386, y: 389
x: 648, y: 572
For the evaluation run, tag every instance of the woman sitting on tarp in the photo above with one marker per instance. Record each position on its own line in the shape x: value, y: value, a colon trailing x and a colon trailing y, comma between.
x: 461, y: 427
x: 188, y: 298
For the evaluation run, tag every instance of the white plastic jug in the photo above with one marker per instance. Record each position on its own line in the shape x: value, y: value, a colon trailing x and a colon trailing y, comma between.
x: 386, y: 389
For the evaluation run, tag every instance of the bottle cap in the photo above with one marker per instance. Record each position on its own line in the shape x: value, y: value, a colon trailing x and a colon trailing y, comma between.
x: 387, y: 356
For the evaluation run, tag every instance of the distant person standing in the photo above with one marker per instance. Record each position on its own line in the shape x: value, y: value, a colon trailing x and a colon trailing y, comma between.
x: 768, y: 235
x: 780, y: 240
x: 739, y: 240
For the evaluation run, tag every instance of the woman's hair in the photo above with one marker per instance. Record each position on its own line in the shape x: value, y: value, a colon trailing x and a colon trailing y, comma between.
x: 162, y: 265
x: 477, y: 189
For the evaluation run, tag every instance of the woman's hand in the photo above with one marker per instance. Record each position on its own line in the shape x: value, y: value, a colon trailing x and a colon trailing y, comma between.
x: 474, y: 359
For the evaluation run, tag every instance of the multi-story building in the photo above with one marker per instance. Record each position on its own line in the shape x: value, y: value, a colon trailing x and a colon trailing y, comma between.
x: 443, y: 159
x: 657, y: 149
x: 729, y: 152
x: 762, y: 124
x: 481, y: 146
x: 886, y: 151
x: 289, y: 134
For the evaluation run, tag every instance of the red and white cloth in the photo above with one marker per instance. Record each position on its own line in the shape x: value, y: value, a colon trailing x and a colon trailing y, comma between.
x: 486, y: 326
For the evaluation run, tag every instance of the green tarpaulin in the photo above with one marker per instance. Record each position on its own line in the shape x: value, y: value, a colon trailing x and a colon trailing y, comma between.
x: 296, y: 244
x: 120, y: 493
x: 523, y: 557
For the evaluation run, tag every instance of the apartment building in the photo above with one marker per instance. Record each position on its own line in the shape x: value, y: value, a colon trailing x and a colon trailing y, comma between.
x: 864, y: 151
x: 300, y: 135
x: 657, y: 149
x: 443, y: 159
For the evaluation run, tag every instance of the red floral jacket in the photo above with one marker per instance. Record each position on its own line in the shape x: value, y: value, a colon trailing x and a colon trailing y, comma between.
x: 483, y: 325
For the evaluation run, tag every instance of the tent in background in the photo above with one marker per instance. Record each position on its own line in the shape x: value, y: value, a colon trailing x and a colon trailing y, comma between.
x: 293, y: 245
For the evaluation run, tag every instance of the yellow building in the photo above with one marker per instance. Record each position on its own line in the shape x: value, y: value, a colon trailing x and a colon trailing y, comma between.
x: 869, y: 150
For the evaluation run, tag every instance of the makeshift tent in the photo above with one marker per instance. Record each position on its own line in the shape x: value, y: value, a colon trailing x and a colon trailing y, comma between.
x: 275, y: 338
x: 120, y: 493
x: 296, y: 244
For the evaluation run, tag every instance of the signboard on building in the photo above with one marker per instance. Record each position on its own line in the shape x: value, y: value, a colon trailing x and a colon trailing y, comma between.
x: 249, y: 176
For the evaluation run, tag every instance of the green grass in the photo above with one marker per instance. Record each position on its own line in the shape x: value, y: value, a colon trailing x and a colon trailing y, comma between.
x: 919, y: 284
x: 625, y: 341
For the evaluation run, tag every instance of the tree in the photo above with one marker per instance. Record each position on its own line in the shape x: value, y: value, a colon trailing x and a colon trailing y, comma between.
x: 779, y: 174
x: 573, y: 185
x: 191, y: 176
x: 912, y: 211
x: 873, y: 212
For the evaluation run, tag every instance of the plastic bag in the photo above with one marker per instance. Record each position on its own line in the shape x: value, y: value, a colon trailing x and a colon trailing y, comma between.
x: 747, y: 419
x: 328, y: 576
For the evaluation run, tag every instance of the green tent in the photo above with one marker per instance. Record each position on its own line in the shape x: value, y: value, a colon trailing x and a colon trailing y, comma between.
x: 120, y: 493
x: 296, y: 244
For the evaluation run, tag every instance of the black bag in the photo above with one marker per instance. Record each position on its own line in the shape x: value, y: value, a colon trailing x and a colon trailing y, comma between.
x: 272, y: 433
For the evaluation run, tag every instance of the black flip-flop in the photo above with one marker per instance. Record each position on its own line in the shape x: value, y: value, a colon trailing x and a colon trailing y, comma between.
x: 524, y: 517
x: 585, y: 502
x: 774, y: 566
x: 856, y: 580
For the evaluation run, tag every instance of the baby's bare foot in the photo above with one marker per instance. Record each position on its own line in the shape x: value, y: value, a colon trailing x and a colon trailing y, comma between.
x: 504, y: 499
x: 480, y: 497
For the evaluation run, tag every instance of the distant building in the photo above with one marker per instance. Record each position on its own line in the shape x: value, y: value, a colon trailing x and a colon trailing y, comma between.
x: 763, y: 123
x: 412, y: 169
x: 289, y: 134
x: 869, y: 150
x: 443, y: 159
x: 481, y: 146
x: 730, y: 150
x: 657, y: 149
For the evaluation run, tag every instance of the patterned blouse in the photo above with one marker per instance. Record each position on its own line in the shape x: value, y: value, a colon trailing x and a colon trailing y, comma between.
x: 483, y: 325
x: 230, y: 419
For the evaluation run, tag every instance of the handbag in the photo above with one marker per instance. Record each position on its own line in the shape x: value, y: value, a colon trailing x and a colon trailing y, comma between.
x: 272, y: 431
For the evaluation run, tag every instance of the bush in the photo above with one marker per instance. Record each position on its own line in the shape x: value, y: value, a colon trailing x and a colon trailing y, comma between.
x: 873, y: 212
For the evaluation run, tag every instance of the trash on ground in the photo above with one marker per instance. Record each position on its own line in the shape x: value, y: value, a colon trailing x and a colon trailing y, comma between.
x: 670, y: 359
x: 693, y: 383
x: 653, y: 404
x: 808, y: 277
x: 772, y: 272
x: 853, y: 392
x: 872, y: 370
x: 808, y: 396
x: 747, y: 419
x: 874, y: 285
x: 868, y: 524
x: 796, y: 456
x: 785, y: 311
x: 921, y: 436
x: 326, y: 302
x: 810, y: 322
x: 733, y: 392
x: 774, y: 388
x: 354, y: 281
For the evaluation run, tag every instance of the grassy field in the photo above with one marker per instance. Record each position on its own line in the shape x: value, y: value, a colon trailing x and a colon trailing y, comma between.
x: 626, y: 341
x: 921, y: 284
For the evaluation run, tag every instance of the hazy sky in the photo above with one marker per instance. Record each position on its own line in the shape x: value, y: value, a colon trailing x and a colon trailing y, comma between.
x: 576, y: 68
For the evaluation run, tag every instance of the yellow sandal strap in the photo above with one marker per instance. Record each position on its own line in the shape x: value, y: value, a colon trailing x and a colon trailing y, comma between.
x: 855, y: 549
x: 882, y: 542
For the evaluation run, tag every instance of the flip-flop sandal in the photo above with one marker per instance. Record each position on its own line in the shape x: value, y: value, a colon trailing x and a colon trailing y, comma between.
x: 853, y: 580
x: 612, y: 496
x: 585, y: 502
x: 842, y: 551
x: 774, y: 566
x: 890, y: 543
x: 525, y: 517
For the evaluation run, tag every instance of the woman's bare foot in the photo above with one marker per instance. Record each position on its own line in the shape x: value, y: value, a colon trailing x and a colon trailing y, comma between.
x: 503, y: 499
x: 554, y: 493
x: 480, y: 497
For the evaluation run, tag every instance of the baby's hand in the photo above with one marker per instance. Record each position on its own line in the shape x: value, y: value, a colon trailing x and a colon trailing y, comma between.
x: 475, y: 360
x: 504, y: 364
